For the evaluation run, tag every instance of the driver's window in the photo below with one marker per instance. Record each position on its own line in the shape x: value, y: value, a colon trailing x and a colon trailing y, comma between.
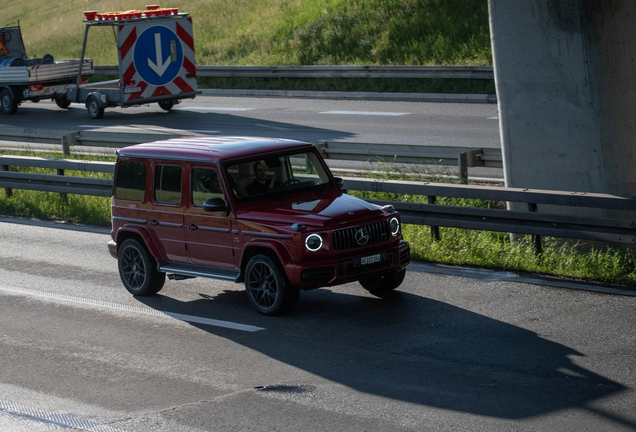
x: 205, y: 184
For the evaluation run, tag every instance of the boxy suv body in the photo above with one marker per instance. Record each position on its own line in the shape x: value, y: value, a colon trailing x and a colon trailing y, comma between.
x: 266, y: 212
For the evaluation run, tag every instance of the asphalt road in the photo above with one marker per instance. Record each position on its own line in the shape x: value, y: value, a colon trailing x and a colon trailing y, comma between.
x: 453, y: 349
x: 445, y: 124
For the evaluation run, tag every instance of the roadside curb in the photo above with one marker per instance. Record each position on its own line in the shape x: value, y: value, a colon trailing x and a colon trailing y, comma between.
x: 402, y: 97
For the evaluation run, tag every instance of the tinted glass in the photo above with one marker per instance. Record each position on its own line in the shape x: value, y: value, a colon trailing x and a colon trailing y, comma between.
x: 205, y: 185
x: 131, y: 181
x: 168, y: 184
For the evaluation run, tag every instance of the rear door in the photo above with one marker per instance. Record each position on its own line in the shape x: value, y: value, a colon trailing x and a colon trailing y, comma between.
x: 165, y: 211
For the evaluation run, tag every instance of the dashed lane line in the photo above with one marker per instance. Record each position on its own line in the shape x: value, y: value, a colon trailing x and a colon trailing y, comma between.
x: 133, y: 309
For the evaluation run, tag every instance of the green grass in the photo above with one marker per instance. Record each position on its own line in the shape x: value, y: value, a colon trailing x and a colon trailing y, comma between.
x: 280, y: 32
x: 456, y: 246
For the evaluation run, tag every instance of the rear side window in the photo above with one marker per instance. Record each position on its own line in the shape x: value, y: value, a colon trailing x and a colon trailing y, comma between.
x: 168, y: 184
x: 131, y: 181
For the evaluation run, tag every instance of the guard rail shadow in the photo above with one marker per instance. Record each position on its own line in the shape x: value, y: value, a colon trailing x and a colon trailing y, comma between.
x: 430, y: 214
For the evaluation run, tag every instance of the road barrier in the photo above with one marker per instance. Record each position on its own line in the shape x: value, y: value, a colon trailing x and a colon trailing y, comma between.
x: 431, y: 214
x: 461, y: 157
x: 411, y: 72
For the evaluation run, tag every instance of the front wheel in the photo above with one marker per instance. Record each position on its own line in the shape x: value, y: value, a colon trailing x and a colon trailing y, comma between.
x: 166, y: 104
x: 94, y: 109
x: 138, y: 270
x: 267, y: 288
x: 8, y: 102
x: 383, y: 284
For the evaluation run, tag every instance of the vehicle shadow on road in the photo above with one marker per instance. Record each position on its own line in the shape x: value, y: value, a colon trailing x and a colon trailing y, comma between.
x: 412, y: 349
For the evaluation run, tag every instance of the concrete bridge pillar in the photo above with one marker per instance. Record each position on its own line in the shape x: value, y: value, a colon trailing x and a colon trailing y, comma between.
x: 565, y: 72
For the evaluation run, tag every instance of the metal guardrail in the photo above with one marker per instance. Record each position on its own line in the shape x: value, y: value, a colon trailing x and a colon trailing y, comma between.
x: 462, y: 157
x: 412, y: 72
x: 431, y: 214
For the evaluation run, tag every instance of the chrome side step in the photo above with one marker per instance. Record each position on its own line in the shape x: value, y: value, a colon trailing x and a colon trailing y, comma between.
x: 183, y: 271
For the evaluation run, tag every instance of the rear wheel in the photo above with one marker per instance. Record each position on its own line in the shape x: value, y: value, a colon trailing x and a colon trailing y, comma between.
x: 138, y: 269
x: 8, y: 102
x: 166, y: 104
x: 63, y: 103
x: 267, y: 288
x: 94, y: 110
x: 383, y: 284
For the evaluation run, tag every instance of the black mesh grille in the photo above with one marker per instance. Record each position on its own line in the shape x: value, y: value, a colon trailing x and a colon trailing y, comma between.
x: 346, y: 238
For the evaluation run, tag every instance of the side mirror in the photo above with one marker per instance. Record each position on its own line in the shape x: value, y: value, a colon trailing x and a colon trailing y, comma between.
x: 339, y: 182
x: 214, y: 205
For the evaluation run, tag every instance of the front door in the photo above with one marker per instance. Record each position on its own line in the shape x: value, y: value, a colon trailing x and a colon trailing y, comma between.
x: 208, y: 234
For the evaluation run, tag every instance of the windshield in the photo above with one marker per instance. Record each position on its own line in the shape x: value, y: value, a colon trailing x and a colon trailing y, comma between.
x: 273, y: 175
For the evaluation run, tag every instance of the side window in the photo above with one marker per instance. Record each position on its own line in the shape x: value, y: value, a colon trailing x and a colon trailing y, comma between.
x: 168, y: 184
x: 131, y: 181
x: 205, y: 185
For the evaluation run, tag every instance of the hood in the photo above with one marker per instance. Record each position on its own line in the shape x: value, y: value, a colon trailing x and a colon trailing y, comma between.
x: 324, y: 210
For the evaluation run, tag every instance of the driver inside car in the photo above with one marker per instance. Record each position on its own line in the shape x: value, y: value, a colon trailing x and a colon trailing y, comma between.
x: 260, y: 184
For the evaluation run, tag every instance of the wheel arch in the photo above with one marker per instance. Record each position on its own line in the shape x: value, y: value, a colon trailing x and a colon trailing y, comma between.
x: 141, y: 234
x: 272, y: 250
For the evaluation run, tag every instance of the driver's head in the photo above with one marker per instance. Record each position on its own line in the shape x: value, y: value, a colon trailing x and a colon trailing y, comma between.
x: 260, y: 170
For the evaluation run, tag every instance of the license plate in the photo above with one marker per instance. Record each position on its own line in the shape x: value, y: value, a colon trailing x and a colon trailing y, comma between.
x: 132, y: 90
x: 371, y: 259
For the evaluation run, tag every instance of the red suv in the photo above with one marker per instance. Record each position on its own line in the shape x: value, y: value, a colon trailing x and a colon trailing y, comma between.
x: 266, y: 212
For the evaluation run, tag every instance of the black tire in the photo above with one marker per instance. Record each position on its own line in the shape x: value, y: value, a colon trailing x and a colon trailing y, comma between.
x: 8, y: 102
x: 383, y: 284
x: 138, y: 269
x: 63, y: 103
x: 166, y: 104
x: 93, y: 107
x: 267, y: 287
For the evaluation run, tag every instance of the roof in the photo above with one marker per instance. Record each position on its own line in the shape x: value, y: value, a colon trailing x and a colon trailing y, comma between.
x: 210, y: 148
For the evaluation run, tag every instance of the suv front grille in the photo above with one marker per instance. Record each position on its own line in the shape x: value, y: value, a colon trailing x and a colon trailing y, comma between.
x: 346, y: 238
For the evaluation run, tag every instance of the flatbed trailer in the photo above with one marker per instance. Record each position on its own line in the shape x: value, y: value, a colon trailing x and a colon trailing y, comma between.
x: 23, y: 79
x: 155, y: 57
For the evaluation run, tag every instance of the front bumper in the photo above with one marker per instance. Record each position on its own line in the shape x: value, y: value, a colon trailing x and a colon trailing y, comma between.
x: 349, y: 269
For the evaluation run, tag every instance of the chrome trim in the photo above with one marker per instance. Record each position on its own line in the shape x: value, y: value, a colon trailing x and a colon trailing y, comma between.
x: 221, y: 230
x: 140, y: 221
x: 268, y: 235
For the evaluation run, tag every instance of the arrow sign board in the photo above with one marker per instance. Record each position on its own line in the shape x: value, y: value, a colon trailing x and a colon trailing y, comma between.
x: 158, y: 55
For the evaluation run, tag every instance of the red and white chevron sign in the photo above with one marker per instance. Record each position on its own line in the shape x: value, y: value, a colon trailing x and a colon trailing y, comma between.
x: 156, y: 58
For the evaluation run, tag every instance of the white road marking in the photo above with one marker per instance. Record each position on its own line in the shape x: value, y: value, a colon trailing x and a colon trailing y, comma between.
x: 202, y: 108
x: 141, y: 129
x: 133, y: 309
x: 368, y: 113
x: 61, y: 420
x: 493, y: 118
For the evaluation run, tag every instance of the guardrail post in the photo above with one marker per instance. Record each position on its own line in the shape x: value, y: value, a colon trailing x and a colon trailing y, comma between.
x: 434, y: 229
x: 462, y: 165
x: 62, y: 195
x: 538, y: 247
x: 8, y: 191
x: 68, y: 141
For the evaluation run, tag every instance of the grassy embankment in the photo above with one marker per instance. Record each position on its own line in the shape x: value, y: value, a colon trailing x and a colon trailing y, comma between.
x: 291, y: 32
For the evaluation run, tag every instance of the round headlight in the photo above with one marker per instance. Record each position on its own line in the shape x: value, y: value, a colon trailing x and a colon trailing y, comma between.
x: 395, y: 226
x: 313, y: 242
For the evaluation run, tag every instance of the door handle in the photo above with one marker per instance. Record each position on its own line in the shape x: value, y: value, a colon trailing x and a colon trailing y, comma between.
x: 193, y: 227
x: 154, y: 223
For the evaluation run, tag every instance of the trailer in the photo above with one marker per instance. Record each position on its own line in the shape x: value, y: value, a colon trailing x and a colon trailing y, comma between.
x: 22, y: 78
x: 155, y: 56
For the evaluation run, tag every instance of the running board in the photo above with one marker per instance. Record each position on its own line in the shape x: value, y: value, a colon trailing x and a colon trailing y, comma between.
x: 182, y: 271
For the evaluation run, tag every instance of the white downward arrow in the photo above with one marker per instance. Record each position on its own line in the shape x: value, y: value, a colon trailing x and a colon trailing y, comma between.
x: 160, y: 67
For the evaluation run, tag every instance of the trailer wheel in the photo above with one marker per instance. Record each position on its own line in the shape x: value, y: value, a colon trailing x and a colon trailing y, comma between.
x: 166, y: 104
x: 63, y: 103
x: 9, y: 104
x: 94, y: 110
